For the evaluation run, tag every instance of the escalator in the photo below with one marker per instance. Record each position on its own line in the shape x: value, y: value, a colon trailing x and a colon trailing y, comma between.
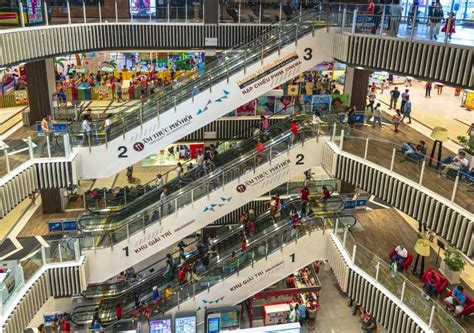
x: 236, y: 77
x: 226, y: 258
x: 152, y: 224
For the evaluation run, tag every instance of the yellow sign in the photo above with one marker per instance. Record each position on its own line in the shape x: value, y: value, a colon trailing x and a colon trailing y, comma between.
x: 8, y: 18
x: 21, y: 97
x: 469, y: 102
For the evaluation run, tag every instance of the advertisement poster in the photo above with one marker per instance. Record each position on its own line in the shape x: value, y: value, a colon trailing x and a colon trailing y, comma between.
x: 9, y: 18
x: 339, y: 103
x: 21, y: 97
x: 247, y: 109
x: 321, y: 104
x: 285, y: 105
x: 104, y: 92
x: 34, y: 11
x: 265, y: 105
x: 185, y: 324
x: 160, y: 326
x: 142, y: 7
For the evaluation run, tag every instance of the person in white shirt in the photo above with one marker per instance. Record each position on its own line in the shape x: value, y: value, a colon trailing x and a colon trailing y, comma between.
x: 400, y: 255
x: 200, y: 159
x: 159, y: 181
x: 107, y: 124
x: 179, y: 170
x: 163, y: 197
x: 457, y: 162
x: 87, y: 130
x: 377, y: 116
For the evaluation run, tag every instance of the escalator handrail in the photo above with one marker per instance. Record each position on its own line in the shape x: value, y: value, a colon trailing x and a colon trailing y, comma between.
x: 212, y: 176
x: 228, y: 259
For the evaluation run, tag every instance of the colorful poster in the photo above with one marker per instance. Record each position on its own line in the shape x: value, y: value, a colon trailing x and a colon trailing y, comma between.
x: 284, y: 105
x: 142, y: 7
x: 9, y: 18
x: 21, y: 97
x: 247, y: 109
x: 321, y: 104
x: 34, y: 11
x: 339, y: 103
x: 160, y: 326
x: 265, y: 105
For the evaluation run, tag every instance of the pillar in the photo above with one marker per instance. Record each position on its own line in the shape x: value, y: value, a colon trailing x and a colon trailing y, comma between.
x: 211, y: 11
x: 51, y: 201
x: 41, y: 81
x: 356, y: 85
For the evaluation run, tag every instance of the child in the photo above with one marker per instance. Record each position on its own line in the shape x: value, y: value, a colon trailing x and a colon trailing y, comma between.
x: 396, y: 120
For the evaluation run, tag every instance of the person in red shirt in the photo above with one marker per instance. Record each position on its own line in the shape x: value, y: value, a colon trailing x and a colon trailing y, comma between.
x: 294, y: 131
x: 291, y: 281
x: 181, y: 276
x: 304, y: 199
x: 118, y: 311
x: 260, y: 147
x: 325, y: 195
x: 243, y: 245
x: 65, y: 326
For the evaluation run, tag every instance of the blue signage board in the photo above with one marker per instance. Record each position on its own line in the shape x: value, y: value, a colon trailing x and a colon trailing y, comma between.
x: 57, y: 128
x: 55, y: 226
x: 70, y: 225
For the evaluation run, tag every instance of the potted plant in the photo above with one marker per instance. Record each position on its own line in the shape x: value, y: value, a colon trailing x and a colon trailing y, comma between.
x: 467, y: 144
x: 452, y: 265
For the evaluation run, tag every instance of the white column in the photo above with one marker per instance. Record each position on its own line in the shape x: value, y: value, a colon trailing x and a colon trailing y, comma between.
x: 46, y: 18
x: 68, y: 12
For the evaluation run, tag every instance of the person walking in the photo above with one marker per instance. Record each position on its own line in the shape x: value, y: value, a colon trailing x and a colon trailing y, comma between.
x: 395, y: 17
x: 118, y: 90
x: 449, y: 25
x: 294, y: 131
x: 435, y: 16
x: 87, y: 131
x: 407, y: 110
x: 107, y: 126
x: 377, y: 116
x: 394, y: 95
x: 396, y: 120
x: 428, y: 87
x: 405, y: 97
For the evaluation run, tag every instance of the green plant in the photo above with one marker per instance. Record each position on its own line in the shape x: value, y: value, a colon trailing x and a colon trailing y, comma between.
x: 467, y: 143
x: 112, y: 63
x: 454, y: 260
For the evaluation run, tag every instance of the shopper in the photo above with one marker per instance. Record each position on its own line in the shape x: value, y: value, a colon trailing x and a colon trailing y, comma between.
x: 118, y: 311
x: 371, y: 97
x: 118, y: 88
x: 394, y: 95
x: 407, y: 110
x: 159, y: 181
x: 155, y: 298
x: 396, y: 120
x: 395, y: 17
x: 264, y: 125
x: 455, y: 163
x: 107, y: 126
x: 304, y: 199
x: 400, y: 256
x: 292, y: 314
x: 86, y: 131
x: 377, y: 116
x: 302, y: 314
x: 294, y: 129
x: 325, y: 194
x: 405, y: 96
x: 369, y: 324
x: 428, y: 87
x: 456, y: 301
x: 432, y: 284
x: 435, y: 16
x: 450, y: 25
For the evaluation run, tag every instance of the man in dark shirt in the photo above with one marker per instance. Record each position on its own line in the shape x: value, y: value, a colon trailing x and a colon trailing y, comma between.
x: 394, y: 95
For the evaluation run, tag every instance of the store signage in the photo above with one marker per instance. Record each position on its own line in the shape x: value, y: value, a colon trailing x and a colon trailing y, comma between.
x: 8, y: 18
x: 264, y: 175
x: 21, y: 97
x: 260, y: 275
x: 268, y: 73
x: 157, y: 236
x: 162, y: 133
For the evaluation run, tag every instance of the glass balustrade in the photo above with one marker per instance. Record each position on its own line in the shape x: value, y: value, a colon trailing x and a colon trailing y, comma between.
x: 429, y: 310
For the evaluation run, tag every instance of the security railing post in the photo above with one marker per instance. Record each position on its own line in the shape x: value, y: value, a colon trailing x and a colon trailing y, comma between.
x: 186, y: 12
x: 392, y: 162
x: 260, y: 14
x: 377, y: 270
x: 77, y: 250
x: 456, y: 183
x: 342, y: 140
x: 431, y: 316
x: 100, y: 12
x: 116, y: 12
x: 149, y: 15
x: 7, y: 162
x: 30, y: 148
x: 403, y: 291
x: 354, y: 22
x: 168, y: 14
x: 68, y: 12
x: 84, y: 11
x: 46, y: 18
x: 43, y: 255
x: 382, y: 23
x: 336, y: 226
x: 22, y: 18
x: 105, y: 198
x: 281, y: 11
x: 240, y: 8
x: 344, y: 12
x: 413, y: 25
x: 48, y: 145
x: 344, y: 239
x: 333, y: 136
x: 245, y: 61
x: 423, y: 164
x: 366, y: 148
x: 60, y: 252
x: 354, y: 250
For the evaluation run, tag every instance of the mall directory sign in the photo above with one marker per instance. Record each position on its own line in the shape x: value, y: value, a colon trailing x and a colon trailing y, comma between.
x: 185, y: 324
x: 160, y: 326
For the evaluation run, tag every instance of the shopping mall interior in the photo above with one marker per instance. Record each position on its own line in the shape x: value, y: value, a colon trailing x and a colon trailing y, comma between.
x: 333, y: 141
